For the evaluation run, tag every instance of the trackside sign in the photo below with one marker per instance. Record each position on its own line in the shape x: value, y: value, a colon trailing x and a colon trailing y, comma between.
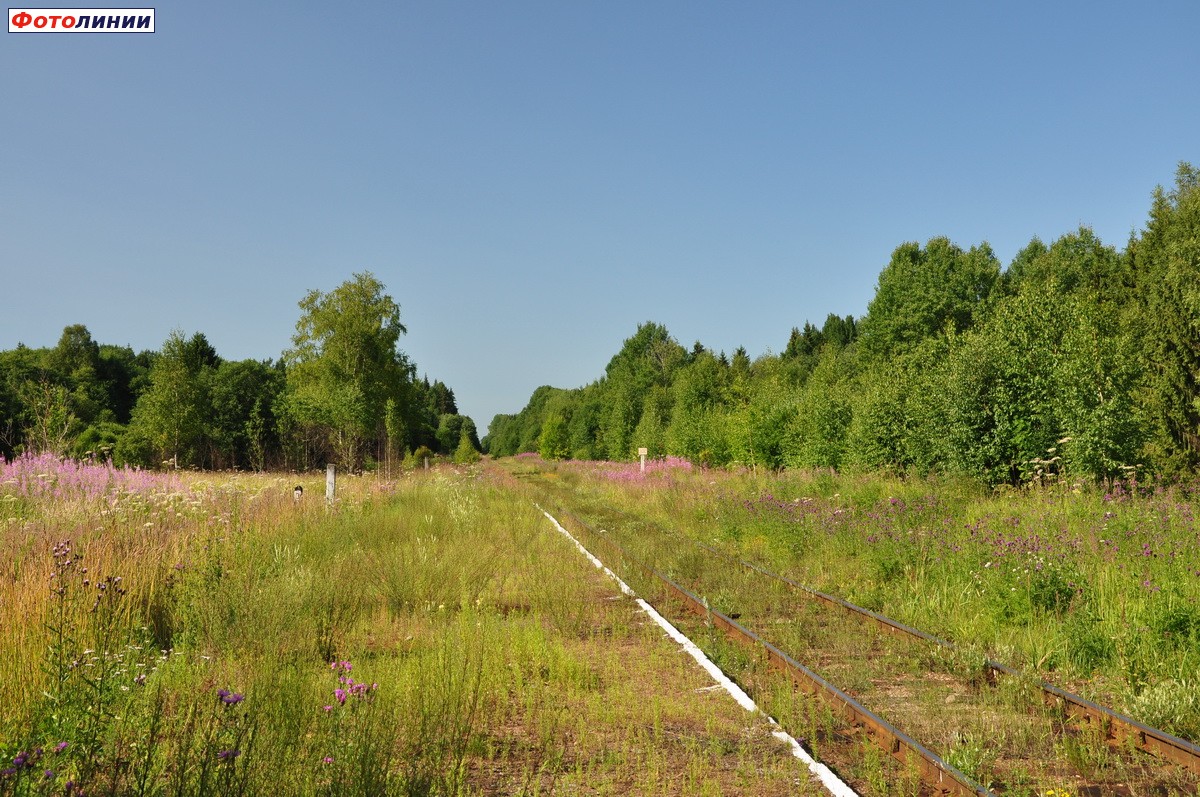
x: 81, y: 20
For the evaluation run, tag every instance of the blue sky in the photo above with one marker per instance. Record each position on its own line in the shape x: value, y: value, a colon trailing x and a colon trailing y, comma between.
x: 531, y: 180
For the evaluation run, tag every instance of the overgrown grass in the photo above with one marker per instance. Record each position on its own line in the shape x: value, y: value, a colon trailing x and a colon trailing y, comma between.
x: 1098, y: 589
x: 210, y: 635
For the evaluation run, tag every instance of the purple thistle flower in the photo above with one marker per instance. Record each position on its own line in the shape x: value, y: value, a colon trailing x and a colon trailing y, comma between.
x: 58, y: 748
x: 228, y: 755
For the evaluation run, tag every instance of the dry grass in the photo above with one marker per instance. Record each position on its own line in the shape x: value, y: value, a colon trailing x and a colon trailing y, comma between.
x: 506, y: 664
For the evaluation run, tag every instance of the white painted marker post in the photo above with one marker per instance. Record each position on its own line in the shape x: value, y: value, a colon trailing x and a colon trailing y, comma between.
x: 329, y: 483
x: 642, y: 452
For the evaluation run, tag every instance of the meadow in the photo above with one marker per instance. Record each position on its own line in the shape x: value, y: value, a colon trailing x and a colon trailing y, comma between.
x: 195, y: 633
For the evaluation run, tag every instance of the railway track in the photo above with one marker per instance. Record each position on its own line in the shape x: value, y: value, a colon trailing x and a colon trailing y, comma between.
x: 1117, y: 729
x: 1079, y: 715
x: 939, y: 776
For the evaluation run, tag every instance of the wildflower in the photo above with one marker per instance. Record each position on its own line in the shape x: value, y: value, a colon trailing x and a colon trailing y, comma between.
x: 58, y: 748
x: 340, y: 694
x: 230, y: 698
x: 327, y: 759
x: 228, y: 755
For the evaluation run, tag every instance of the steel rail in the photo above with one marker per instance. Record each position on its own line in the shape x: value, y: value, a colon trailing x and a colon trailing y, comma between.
x: 1116, y: 728
x: 933, y: 771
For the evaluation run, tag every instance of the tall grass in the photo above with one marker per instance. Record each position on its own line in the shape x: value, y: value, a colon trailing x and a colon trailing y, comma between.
x: 208, y: 634
x: 1096, y: 588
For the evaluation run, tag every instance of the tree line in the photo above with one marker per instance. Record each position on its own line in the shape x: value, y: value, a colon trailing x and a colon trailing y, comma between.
x: 1077, y: 360
x: 342, y: 393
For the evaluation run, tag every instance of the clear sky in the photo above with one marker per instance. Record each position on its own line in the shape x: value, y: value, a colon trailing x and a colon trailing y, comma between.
x: 531, y: 180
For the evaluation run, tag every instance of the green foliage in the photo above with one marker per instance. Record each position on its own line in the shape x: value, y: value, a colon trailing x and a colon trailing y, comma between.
x: 876, y: 439
x: 197, y: 411
x: 1165, y: 267
x: 344, y: 365
x: 466, y: 452
x: 419, y: 457
x: 440, y: 399
x: 98, y: 441
x: 839, y: 331
x: 700, y: 397
x: 1078, y: 361
x: 450, y: 429
x: 1089, y: 645
x: 651, y: 431
x: 817, y: 433
x: 171, y: 416
x: 186, y: 405
x: 1026, y: 377
x: 554, y: 441
x: 925, y: 291
x: 583, y: 426
x: 48, y: 418
x: 1172, y: 704
x: 648, y: 359
x: 240, y: 426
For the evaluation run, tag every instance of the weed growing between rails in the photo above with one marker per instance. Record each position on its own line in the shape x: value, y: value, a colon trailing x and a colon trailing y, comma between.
x: 1097, y: 590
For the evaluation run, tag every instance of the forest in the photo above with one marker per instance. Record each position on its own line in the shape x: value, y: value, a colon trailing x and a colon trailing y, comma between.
x: 343, y: 393
x: 1077, y: 361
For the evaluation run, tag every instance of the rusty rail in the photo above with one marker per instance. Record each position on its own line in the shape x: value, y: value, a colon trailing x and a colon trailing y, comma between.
x: 934, y: 772
x: 1117, y: 729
